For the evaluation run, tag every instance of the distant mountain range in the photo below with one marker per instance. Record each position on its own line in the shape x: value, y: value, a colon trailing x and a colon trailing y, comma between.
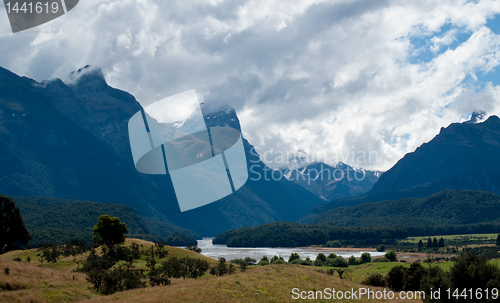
x: 332, y: 182
x: 463, y: 156
x: 70, y: 140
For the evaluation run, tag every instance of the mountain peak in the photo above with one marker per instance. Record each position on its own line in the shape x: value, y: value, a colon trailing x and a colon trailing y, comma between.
x: 87, y: 73
x: 477, y: 116
x: 459, y: 149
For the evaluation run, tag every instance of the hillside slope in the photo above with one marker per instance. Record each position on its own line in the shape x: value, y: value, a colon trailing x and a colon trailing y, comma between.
x: 462, y: 156
x: 447, y: 207
x: 58, y: 221
x: 459, y: 149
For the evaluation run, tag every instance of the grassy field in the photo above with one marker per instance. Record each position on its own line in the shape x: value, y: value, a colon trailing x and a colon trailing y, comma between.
x: 457, y: 239
x: 272, y: 283
x: 58, y: 282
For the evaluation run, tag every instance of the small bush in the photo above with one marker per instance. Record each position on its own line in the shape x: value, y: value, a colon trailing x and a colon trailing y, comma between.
x: 391, y: 256
x: 381, y: 248
x: 395, y: 278
x: 353, y: 261
x: 335, y: 243
x: 374, y: 280
x: 384, y: 259
x: 338, y: 262
x: 293, y: 256
x: 222, y: 268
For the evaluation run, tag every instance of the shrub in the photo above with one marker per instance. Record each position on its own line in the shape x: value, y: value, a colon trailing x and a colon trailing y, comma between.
x: 381, y: 248
x: 318, y: 262
x: 321, y: 257
x: 293, y: 256
x: 352, y: 260
x: 250, y: 261
x: 244, y: 266
x: 374, y: 280
x: 384, y: 259
x: 395, y: 278
x: 193, y: 248
x: 412, y: 277
x: 391, y: 256
x: 264, y: 261
x: 222, y: 268
x: 335, y: 243
x: 338, y: 262
x: 277, y: 260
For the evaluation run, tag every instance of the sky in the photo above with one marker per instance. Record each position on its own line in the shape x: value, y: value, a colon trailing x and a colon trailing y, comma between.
x: 361, y: 82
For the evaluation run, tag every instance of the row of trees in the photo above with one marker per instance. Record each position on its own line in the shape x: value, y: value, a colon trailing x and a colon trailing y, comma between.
x: 431, y: 244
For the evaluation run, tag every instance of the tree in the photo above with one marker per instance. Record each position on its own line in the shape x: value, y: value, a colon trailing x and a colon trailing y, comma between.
x: 420, y: 245
x: 365, y: 258
x: 435, y: 243
x: 498, y: 240
x: 391, y: 256
x: 293, y: 256
x: 352, y: 260
x: 429, y: 243
x: 12, y: 230
x: 412, y: 277
x: 381, y: 248
x: 109, y: 231
x: 321, y: 257
x: 441, y: 242
x: 395, y: 278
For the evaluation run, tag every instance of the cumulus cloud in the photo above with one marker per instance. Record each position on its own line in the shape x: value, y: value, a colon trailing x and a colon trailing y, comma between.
x: 333, y: 78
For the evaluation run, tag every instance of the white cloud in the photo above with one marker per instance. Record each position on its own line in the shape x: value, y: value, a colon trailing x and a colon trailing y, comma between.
x: 327, y: 77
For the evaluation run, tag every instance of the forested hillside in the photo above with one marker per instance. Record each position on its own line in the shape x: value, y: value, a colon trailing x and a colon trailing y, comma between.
x: 51, y: 220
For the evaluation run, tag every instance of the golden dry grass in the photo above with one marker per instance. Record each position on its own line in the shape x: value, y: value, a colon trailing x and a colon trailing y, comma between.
x: 54, y: 282
x: 30, y: 283
x: 273, y: 283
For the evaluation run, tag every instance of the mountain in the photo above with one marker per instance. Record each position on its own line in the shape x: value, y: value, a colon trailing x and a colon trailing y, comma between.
x: 459, y: 149
x: 70, y: 140
x: 462, y: 156
x: 330, y: 183
x: 58, y: 221
x: 447, y: 207
x: 45, y: 153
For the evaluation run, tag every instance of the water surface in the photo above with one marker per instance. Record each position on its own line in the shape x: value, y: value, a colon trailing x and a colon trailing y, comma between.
x: 215, y: 251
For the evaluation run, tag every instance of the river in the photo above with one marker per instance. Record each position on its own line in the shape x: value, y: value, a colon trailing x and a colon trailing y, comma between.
x: 215, y: 251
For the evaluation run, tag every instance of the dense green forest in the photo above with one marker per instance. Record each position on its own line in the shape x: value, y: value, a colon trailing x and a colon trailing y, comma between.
x: 288, y: 234
x: 58, y: 221
x: 447, y: 207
